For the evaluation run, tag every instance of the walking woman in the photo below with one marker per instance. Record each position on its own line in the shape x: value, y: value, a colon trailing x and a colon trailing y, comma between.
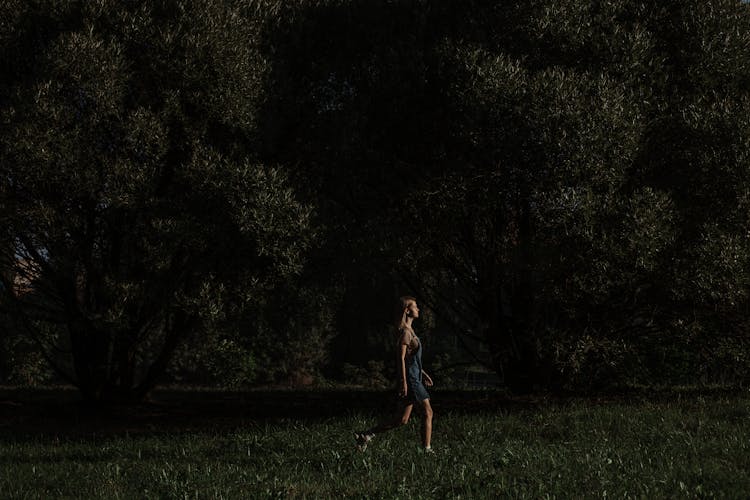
x: 412, y: 379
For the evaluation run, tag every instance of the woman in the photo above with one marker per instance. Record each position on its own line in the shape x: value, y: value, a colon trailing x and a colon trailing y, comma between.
x: 412, y: 378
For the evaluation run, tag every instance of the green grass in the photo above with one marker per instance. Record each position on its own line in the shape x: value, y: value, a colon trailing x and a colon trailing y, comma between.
x: 689, y: 448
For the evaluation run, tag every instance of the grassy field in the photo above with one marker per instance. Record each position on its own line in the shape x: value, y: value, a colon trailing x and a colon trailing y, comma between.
x: 691, y: 446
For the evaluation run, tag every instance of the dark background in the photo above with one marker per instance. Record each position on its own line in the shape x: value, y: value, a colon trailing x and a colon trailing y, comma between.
x: 235, y: 193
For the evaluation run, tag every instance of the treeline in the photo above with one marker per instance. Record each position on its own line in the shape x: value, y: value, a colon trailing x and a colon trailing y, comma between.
x: 235, y: 192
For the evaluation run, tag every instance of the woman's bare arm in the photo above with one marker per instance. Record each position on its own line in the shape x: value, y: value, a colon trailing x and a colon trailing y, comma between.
x: 402, y: 363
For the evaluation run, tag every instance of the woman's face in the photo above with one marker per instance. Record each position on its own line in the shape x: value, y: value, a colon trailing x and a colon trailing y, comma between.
x: 412, y: 310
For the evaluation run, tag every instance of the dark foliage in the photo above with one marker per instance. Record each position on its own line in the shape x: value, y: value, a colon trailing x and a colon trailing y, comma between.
x: 564, y: 185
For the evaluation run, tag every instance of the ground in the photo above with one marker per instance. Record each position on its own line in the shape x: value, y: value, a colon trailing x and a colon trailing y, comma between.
x: 299, y: 444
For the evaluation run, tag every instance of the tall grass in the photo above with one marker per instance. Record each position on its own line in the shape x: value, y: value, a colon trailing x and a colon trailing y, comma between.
x: 689, y: 448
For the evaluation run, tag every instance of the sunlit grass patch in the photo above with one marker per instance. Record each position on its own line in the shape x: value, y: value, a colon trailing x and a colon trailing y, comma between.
x: 696, y: 447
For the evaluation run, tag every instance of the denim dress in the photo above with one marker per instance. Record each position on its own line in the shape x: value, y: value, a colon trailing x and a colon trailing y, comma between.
x: 416, y: 389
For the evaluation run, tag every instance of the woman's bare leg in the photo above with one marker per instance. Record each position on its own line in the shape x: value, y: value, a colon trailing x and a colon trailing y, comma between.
x: 427, y: 423
x: 398, y: 421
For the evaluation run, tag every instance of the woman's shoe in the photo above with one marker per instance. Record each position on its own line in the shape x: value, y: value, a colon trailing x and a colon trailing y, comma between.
x: 362, y: 439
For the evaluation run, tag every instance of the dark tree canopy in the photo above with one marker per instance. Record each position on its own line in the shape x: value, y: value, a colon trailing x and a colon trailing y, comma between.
x: 131, y: 192
x: 565, y: 184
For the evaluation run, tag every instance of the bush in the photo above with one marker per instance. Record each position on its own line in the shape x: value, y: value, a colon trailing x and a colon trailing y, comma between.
x: 371, y: 376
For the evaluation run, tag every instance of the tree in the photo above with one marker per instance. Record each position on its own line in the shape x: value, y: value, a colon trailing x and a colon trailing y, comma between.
x: 602, y: 195
x: 550, y: 177
x: 131, y: 182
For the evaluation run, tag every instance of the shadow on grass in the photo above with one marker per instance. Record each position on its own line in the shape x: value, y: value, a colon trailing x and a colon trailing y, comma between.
x: 60, y: 412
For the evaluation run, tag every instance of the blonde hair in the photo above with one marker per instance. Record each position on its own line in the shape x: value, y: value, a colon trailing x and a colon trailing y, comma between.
x: 400, y: 314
